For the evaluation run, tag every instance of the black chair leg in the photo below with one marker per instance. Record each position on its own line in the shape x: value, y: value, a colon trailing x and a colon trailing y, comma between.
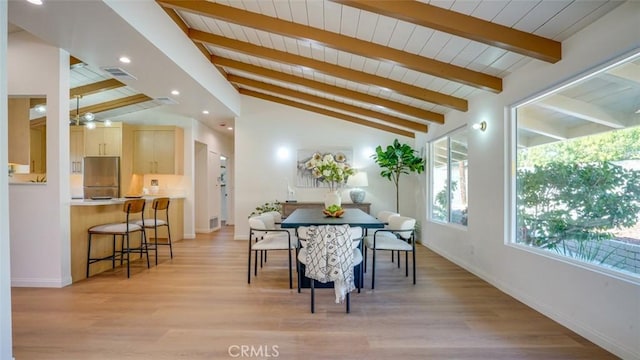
x: 348, y: 303
x: 406, y: 264
x: 313, y: 293
x: 88, y: 255
x: 249, y: 268
x: 373, y: 270
x: 145, y: 245
x: 128, y: 256
x: 255, y: 263
x: 122, y: 250
x: 113, y: 248
x: 169, y: 239
x: 414, y: 266
x: 290, y: 272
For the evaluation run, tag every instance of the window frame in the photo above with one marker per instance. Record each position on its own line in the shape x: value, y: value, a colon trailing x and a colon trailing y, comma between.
x: 430, y: 195
x: 511, y: 174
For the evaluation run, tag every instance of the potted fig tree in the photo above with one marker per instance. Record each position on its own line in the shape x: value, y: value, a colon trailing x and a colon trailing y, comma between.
x: 395, y: 160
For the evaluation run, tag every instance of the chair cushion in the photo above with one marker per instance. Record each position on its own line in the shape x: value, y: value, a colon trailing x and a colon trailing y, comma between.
x: 387, y: 243
x: 150, y: 223
x: 402, y: 223
x: 117, y: 228
x: 275, y: 241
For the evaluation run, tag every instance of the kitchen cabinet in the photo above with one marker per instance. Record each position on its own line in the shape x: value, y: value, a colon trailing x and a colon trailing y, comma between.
x: 103, y: 140
x: 76, y: 148
x: 158, y: 150
x: 38, y: 149
x: 19, y: 131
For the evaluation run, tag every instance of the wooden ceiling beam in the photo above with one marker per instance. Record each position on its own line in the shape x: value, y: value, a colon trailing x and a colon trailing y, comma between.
x: 37, y: 101
x: 327, y: 112
x: 74, y: 61
x: 465, y: 26
x: 339, y: 42
x: 113, y: 104
x: 330, y: 69
x: 329, y: 103
x: 333, y: 90
x: 95, y: 87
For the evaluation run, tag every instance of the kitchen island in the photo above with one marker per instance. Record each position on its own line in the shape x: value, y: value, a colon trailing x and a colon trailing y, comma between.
x: 86, y: 213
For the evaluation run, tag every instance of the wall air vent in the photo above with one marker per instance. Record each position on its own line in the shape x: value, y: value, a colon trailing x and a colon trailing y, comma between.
x: 165, y: 100
x: 117, y: 72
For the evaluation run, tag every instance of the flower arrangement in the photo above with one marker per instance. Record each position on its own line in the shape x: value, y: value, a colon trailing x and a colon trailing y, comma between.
x: 330, y: 169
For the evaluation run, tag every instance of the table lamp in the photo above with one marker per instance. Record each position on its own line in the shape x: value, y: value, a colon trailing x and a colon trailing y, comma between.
x: 357, y: 181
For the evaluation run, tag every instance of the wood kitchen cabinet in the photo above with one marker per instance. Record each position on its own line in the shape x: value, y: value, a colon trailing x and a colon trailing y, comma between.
x: 103, y: 140
x: 76, y: 148
x: 19, y: 131
x: 158, y: 150
x: 38, y: 150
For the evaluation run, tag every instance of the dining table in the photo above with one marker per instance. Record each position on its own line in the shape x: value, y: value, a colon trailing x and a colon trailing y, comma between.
x: 309, y: 217
x: 351, y: 217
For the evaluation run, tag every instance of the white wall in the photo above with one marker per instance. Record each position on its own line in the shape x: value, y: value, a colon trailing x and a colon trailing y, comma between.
x: 6, y: 347
x: 39, y: 213
x: 604, y: 309
x: 266, y: 129
x: 222, y: 145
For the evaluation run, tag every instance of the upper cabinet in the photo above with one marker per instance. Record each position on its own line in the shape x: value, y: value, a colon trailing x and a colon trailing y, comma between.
x: 103, y: 140
x: 19, y: 131
x: 158, y: 150
x: 76, y: 148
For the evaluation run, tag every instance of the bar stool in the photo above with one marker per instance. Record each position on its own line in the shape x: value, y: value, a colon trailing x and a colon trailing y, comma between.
x: 124, y: 229
x: 158, y: 205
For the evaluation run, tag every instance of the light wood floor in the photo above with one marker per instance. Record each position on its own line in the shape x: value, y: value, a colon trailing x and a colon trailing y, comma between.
x: 199, y: 306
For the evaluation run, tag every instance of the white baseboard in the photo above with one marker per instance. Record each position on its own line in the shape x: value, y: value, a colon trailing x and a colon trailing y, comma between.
x: 43, y: 283
x: 583, y: 330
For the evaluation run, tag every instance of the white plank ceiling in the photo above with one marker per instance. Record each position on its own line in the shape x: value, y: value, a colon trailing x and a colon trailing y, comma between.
x: 554, y: 20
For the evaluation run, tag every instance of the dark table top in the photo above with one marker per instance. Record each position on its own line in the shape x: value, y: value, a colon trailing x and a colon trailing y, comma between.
x: 353, y: 217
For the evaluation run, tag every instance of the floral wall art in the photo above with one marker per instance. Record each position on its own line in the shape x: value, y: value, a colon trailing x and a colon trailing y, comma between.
x: 323, y: 169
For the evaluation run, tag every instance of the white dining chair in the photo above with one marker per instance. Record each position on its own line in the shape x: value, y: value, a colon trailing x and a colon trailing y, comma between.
x: 340, y: 262
x: 263, y: 237
x: 398, y: 236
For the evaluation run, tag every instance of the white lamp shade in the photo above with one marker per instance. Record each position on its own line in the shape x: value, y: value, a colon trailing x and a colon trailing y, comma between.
x: 357, y: 180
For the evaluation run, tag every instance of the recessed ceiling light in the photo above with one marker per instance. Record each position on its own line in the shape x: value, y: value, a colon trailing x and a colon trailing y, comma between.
x: 124, y: 60
x: 205, y: 112
x: 175, y: 92
x: 35, y: 2
x: 229, y: 128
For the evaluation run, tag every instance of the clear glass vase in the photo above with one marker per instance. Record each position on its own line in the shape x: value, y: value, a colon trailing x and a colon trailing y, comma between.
x: 332, y: 198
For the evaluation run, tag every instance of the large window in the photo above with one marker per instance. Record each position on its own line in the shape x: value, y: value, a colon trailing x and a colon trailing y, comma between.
x: 449, y: 174
x: 577, y: 178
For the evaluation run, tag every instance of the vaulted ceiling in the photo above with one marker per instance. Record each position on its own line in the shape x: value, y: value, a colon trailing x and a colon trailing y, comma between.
x: 399, y: 66
x: 394, y: 65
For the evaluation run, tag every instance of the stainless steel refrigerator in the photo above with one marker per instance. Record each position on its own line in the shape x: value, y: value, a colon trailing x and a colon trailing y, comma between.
x: 101, y: 177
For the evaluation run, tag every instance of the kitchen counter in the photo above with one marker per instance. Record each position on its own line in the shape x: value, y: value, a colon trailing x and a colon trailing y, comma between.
x: 118, y: 201
x: 86, y: 213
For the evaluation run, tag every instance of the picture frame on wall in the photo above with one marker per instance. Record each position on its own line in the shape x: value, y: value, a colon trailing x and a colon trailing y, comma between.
x: 304, y: 175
